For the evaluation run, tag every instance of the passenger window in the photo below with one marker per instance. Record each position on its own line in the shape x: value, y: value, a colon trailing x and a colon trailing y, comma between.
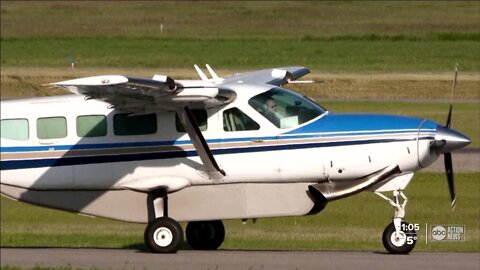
x: 51, y: 127
x: 14, y: 129
x: 126, y: 124
x: 91, y: 125
x: 235, y: 120
x: 200, y: 117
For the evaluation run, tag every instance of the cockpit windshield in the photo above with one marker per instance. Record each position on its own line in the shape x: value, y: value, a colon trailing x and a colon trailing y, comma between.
x: 284, y: 108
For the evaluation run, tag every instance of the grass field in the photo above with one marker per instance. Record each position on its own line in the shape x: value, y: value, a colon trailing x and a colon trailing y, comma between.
x: 339, y: 37
x: 220, y: 19
x: 331, y: 56
x: 352, y: 224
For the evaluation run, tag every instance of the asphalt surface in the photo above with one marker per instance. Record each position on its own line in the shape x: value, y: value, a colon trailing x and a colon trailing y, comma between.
x: 464, y: 161
x: 217, y: 260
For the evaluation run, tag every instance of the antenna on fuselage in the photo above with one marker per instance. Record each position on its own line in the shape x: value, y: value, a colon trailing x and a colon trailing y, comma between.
x: 214, y: 75
x: 201, y: 74
x: 215, y: 78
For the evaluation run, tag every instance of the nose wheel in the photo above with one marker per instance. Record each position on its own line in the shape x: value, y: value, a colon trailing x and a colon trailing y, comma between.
x: 399, y: 242
x: 399, y: 237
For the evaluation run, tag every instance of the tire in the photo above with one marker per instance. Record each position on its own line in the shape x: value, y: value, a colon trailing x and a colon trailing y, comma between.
x: 205, y: 235
x: 401, y: 245
x: 163, y: 235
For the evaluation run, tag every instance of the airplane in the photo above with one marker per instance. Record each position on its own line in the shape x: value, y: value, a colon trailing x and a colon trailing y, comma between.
x: 162, y: 151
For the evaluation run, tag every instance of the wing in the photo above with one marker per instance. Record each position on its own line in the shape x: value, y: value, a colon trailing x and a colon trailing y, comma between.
x: 155, y: 95
x: 273, y: 76
x: 138, y: 95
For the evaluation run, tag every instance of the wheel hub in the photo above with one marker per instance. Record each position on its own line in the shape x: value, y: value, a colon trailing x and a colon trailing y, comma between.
x: 398, y: 239
x: 163, y: 236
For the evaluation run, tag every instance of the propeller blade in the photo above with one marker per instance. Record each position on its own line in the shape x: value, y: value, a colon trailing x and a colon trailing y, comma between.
x: 451, y: 185
x: 449, y: 117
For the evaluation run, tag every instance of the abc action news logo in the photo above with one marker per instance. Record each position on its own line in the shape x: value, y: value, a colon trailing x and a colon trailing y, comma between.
x: 447, y: 232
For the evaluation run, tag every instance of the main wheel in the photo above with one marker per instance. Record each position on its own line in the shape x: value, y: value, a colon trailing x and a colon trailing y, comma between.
x: 163, y: 235
x: 402, y: 243
x: 205, y: 235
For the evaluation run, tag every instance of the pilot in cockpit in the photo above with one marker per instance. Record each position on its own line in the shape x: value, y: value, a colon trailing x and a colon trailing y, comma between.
x: 271, y: 105
x: 271, y: 112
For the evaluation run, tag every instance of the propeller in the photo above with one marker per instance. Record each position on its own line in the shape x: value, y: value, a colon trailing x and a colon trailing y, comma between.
x: 448, y: 156
x: 447, y: 140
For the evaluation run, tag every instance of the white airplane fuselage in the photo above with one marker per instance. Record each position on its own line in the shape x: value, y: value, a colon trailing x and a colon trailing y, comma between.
x: 268, y: 170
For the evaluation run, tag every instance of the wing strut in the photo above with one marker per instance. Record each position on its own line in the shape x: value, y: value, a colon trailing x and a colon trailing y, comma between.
x: 201, y: 146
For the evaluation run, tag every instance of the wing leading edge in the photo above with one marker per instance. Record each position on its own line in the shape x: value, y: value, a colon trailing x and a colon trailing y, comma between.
x: 139, y: 95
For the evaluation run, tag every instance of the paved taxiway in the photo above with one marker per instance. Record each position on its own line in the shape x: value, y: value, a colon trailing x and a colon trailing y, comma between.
x: 223, y: 259
x: 464, y: 161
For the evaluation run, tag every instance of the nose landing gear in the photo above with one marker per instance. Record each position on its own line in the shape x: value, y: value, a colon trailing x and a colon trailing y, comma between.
x: 400, y: 241
x: 399, y: 237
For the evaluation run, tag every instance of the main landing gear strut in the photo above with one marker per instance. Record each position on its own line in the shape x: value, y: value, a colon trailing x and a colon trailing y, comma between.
x: 164, y: 234
x: 399, y: 237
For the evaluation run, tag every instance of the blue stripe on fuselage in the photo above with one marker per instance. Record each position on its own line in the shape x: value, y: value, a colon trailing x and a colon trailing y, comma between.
x: 67, y: 161
x: 368, y: 123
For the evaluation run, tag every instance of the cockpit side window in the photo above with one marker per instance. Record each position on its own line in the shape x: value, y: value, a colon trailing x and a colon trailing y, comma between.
x: 284, y: 108
x: 236, y: 120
